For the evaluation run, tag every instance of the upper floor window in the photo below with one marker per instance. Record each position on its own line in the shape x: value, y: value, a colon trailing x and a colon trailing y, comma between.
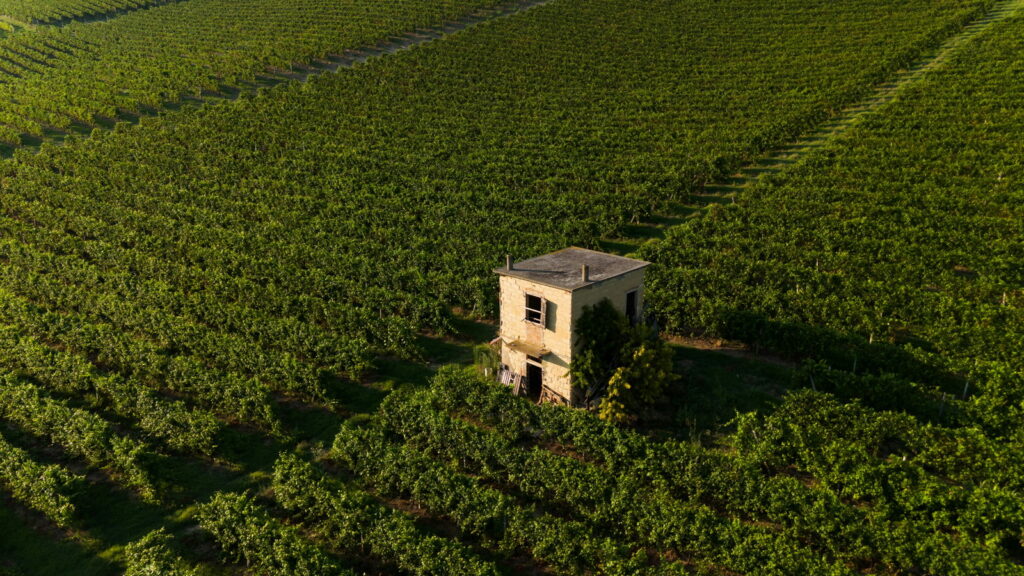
x: 536, y: 309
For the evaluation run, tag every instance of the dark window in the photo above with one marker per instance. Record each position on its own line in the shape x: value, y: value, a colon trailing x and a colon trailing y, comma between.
x: 631, y: 306
x: 535, y: 308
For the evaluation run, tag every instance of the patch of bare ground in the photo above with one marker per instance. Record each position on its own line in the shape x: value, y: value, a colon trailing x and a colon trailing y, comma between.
x: 566, y: 451
x: 692, y: 563
x: 440, y: 525
x: 728, y: 347
x: 301, y: 405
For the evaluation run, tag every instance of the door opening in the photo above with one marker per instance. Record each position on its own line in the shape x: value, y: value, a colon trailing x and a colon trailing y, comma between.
x: 534, y: 379
x: 631, y: 311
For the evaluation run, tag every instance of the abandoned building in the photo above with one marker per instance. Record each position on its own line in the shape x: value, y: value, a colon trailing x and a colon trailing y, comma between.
x: 541, y: 299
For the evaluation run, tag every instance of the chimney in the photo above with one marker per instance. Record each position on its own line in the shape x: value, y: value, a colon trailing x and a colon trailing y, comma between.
x: 508, y: 262
x: 585, y: 270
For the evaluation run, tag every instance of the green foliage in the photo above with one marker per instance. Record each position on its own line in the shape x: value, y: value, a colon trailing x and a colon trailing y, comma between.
x: 153, y: 556
x: 354, y: 522
x: 907, y: 509
x: 137, y: 359
x: 639, y: 382
x: 54, y: 11
x: 486, y: 358
x: 882, y: 391
x: 622, y: 503
x: 204, y: 261
x: 262, y: 259
x: 172, y: 422
x: 79, y: 432
x: 924, y: 481
x: 895, y: 248
x: 245, y: 531
x: 479, y: 510
x: 997, y: 404
x: 90, y: 74
x: 620, y: 368
x: 43, y: 488
x: 602, y: 337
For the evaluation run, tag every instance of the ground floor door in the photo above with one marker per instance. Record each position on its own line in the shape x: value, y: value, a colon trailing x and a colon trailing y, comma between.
x: 534, y: 380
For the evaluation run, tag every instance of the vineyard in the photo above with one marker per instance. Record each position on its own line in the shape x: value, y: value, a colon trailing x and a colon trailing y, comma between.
x: 59, y: 11
x: 908, y: 263
x: 85, y: 76
x: 230, y: 274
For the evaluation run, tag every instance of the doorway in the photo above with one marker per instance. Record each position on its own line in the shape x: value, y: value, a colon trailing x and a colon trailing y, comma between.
x: 534, y: 379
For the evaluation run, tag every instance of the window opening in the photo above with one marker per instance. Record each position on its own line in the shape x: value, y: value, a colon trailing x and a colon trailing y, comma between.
x: 535, y: 309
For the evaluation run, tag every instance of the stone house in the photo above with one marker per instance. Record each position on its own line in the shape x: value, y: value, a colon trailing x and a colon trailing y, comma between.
x: 541, y: 299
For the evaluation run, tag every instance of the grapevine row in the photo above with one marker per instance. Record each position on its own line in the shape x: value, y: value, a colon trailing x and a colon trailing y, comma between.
x: 46, y: 488
x: 152, y: 555
x: 171, y: 421
x: 190, y: 48
x: 225, y: 393
x: 351, y: 521
x: 891, y: 532
x: 479, y: 510
x: 50, y: 11
x: 78, y: 432
x: 246, y: 531
x: 623, y: 504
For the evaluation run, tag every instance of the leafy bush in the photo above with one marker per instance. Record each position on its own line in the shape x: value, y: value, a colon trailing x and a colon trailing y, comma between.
x: 153, y: 556
x: 621, y: 368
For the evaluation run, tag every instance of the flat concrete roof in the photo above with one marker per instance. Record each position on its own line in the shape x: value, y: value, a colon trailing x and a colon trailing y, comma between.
x: 562, y: 269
